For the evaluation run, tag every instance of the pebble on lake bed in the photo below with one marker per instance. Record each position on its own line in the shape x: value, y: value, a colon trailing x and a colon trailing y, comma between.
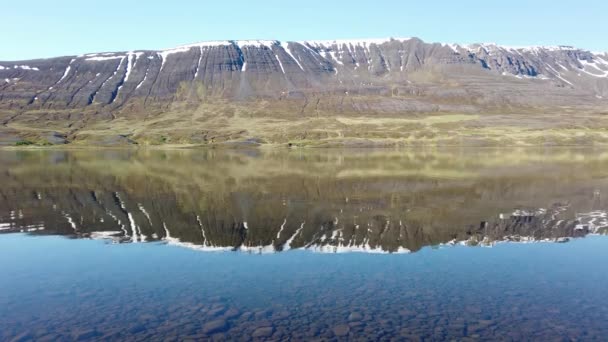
x: 341, y: 330
x: 218, y: 325
x: 263, y: 332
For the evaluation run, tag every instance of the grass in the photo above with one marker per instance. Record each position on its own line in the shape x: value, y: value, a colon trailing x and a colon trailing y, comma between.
x: 215, y: 122
x: 24, y: 143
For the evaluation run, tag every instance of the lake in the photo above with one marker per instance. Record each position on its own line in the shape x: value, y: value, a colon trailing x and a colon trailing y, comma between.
x: 277, y: 244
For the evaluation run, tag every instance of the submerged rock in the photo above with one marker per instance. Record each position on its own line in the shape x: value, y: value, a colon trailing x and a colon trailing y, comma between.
x: 218, y: 325
x: 231, y: 313
x: 341, y: 330
x: 354, y: 317
x: 86, y: 334
x: 263, y: 332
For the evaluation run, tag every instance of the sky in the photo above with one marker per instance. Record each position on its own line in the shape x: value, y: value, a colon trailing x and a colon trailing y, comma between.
x: 41, y: 28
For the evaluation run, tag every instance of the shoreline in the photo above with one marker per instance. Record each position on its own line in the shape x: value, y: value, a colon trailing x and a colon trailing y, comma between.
x: 313, y: 146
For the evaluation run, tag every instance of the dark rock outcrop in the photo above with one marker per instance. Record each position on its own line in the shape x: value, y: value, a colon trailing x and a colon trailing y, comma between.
x: 273, y: 69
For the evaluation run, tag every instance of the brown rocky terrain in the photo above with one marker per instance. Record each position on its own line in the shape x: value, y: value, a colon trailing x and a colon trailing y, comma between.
x: 352, y: 92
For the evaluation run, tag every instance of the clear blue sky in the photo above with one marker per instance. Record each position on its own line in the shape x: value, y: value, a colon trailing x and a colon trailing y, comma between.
x: 42, y: 28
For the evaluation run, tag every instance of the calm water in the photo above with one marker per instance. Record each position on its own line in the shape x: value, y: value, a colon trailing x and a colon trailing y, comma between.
x: 302, y: 245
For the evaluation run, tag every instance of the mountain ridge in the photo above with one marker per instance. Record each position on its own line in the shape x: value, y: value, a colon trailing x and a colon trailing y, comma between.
x: 331, y: 55
x: 327, y: 41
x: 395, y: 77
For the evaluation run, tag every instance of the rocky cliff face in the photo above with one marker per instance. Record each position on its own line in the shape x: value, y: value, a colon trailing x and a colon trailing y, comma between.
x: 321, y: 78
x: 277, y: 69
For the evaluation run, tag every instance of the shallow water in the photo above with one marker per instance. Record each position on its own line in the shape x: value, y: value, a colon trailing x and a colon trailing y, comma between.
x: 168, y: 241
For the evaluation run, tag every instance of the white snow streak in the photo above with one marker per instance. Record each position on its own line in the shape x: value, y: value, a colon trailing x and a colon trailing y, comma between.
x: 198, y: 66
x: 454, y: 47
x: 354, y: 42
x: 200, y: 223
x: 101, y: 59
x: 281, y: 230
x: 106, y: 235
x: 593, y: 65
x: 145, y: 76
x: 146, y: 214
x: 98, y: 54
x: 109, y: 78
x: 122, y: 226
x: 601, y: 60
x: 164, y: 54
x: 280, y: 64
x: 334, y: 57
x: 70, y: 221
x: 130, y: 61
x: 558, y: 74
x: 256, y: 43
x: 134, y: 227
x: 25, y: 67
x: 287, y: 245
x: 258, y: 249
x: 176, y: 242
x: 363, y: 248
x: 130, y: 65
x: 286, y: 48
x: 65, y: 74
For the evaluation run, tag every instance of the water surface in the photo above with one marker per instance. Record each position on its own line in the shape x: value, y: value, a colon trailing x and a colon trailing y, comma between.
x: 231, y: 245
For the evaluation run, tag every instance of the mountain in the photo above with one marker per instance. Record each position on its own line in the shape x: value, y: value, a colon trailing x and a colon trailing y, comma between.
x: 238, y: 90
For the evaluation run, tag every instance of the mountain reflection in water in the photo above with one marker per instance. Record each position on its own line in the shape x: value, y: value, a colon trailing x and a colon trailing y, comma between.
x: 258, y: 201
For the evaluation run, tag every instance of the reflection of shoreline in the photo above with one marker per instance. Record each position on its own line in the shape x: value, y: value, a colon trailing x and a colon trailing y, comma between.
x: 327, y: 201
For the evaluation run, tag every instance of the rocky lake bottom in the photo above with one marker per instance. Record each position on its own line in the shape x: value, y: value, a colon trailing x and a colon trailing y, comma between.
x: 58, y: 289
